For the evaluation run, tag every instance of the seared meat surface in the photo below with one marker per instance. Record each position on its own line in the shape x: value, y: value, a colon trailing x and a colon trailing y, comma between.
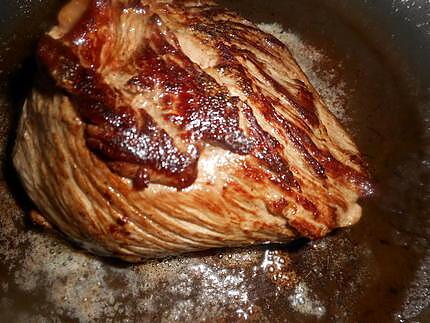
x: 170, y: 126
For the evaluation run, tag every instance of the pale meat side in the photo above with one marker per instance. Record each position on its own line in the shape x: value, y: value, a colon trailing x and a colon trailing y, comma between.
x: 174, y: 126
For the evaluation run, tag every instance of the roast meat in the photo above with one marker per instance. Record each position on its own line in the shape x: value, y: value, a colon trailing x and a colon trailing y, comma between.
x: 160, y: 127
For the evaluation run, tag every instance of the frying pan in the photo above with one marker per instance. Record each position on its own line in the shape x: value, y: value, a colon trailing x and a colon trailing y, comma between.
x: 370, y: 60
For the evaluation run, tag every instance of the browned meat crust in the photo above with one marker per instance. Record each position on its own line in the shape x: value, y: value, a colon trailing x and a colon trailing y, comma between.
x: 177, y: 126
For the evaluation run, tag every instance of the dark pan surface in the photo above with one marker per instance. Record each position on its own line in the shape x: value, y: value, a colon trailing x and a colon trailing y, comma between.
x: 370, y: 60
